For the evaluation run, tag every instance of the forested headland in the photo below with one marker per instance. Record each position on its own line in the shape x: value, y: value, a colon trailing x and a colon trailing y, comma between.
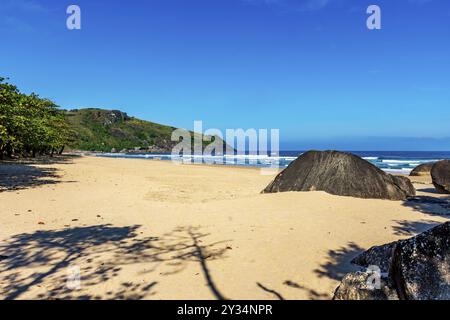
x: 32, y: 126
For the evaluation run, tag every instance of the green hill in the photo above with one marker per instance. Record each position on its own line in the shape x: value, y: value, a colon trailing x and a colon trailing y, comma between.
x: 104, y: 130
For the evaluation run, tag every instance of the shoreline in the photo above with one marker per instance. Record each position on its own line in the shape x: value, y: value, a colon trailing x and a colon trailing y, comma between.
x: 390, y: 162
x: 154, y: 230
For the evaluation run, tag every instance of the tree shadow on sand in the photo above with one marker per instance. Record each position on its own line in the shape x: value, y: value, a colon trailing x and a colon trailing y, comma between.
x: 275, y: 293
x: 412, y: 228
x: 339, y: 262
x: 24, y: 173
x: 430, y: 205
x: 42, y: 258
x: 312, y: 294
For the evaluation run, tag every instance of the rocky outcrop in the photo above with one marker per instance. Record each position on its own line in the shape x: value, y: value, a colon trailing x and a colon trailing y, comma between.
x: 360, y: 286
x: 418, y: 269
x: 341, y: 174
x: 422, y: 169
x: 377, y: 256
x: 113, y: 116
x: 405, y: 185
x: 440, y: 173
x: 420, y: 266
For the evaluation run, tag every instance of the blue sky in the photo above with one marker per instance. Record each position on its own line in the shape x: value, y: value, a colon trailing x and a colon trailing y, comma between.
x: 310, y: 68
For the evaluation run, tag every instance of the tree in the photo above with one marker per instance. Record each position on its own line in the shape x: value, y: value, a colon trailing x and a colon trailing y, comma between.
x: 30, y: 124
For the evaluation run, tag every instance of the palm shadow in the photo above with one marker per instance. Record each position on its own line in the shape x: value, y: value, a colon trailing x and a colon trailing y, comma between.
x: 51, y: 252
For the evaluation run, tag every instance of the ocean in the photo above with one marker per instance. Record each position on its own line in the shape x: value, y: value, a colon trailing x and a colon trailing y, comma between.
x: 389, y: 161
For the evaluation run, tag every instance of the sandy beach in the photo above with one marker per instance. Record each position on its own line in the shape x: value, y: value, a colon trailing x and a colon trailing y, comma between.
x: 139, y: 229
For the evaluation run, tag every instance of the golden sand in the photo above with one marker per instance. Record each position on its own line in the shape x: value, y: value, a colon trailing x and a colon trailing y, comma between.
x: 155, y: 230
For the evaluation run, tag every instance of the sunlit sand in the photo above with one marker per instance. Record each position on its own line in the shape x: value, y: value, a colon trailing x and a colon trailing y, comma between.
x: 154, y: 230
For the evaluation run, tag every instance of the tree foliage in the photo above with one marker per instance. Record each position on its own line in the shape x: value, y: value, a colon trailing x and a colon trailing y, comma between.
x: 30, y: 125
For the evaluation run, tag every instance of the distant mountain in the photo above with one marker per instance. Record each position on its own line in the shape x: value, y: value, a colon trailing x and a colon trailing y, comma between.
x: 107, y: 130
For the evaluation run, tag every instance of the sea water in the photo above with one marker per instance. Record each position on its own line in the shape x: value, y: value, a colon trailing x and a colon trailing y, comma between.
x: 389, y: 161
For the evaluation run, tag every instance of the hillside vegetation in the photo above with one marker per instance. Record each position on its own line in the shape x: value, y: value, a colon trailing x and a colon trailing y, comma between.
x: 104, y: 130
x: 113, y: 130
x: 31, y: 125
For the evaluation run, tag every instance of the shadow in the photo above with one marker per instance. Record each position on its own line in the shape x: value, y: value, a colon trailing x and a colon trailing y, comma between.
x: 201, y: 254
x: 312, y: 294
x: 187, y: 244
x: 429, y: 190
x: 430, y: 205
x: 24, y: 173
x: 276, y: 294
x: 412, y: 228
x: 339, y: 262
x: 100, y: 252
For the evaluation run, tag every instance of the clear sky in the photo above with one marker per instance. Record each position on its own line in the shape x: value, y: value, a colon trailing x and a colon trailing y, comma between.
x: 310, y: 68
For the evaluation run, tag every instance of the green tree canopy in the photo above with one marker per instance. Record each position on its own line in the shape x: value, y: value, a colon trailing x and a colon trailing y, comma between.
x: 29, y: 124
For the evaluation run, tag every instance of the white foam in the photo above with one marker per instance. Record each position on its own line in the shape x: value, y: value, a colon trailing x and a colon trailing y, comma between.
x: 401, y: 171
x: 413, y: 161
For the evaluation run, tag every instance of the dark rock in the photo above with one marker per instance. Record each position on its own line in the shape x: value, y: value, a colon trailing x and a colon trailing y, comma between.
x: 418, y: 269
x: 358, y: 286
x: 342, y: 174
x: 110, y: 117
x: 420, y: 266
x: 422, y: 169
x: 405, y: 184
x: 440, y: 173
x: 380, y: 256
x: 119, y: 133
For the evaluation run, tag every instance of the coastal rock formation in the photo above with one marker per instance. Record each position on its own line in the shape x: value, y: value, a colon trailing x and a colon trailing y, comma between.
x: 380, y: 256
x: 404, y: 184
x: 101, y: 130
x: 421, y: 265
x: 422, y: 169
x: 440, y: 173
x: 360, y: 286
x: 418, y: 269
x: 341, y: 174
x: 110, y: 117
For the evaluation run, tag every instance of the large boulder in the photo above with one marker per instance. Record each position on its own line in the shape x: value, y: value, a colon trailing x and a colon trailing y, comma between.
x: 417, y: 269
x: 423, y: 169
x: 405, y: 185
x: 341, y: 174
x: 380, y: 256
x: 361, y: 286
x: 440, y: 173
x: 420, y: 266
